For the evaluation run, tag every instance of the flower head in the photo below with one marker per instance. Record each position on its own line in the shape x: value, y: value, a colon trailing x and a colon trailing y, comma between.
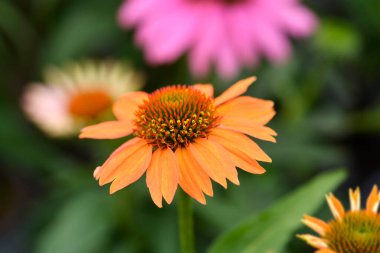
x: 182, y: 135
x: 229, y: 34
x: 77, y: 95
x: 353, y: 231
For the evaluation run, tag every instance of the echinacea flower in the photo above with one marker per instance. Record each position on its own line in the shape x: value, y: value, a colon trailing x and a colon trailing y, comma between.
x: 182, y: 135
x: 77, y: 95
x: 229, y: 34
x: 353, y: 231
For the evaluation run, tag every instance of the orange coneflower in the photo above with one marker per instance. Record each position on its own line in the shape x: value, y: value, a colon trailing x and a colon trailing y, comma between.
x: 184, y: 136
x: 354, y: 231
x: 78, y: 94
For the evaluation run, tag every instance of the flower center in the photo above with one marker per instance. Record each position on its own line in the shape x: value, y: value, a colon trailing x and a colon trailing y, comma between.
x: 175, y: 116
x: 357, y: 232
x: 89, y: 103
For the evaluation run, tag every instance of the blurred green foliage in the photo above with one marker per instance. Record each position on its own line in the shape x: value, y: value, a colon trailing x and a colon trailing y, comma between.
x: 327, y: 97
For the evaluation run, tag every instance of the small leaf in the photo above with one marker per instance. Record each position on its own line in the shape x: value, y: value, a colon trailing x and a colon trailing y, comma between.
x: 270, y: 230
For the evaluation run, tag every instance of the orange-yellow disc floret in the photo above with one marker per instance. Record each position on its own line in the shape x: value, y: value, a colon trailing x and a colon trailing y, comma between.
x: 175, y: 116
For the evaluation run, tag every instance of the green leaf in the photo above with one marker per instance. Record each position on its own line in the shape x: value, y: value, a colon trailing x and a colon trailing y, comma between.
x: 338, y: 39
x: 271, y: 230
x: 81, y: 226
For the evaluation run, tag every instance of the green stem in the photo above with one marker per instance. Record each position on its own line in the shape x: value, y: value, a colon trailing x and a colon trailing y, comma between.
x: 185, y: 219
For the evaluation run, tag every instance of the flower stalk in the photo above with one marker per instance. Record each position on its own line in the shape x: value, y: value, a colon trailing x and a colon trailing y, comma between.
x: 185, y: 222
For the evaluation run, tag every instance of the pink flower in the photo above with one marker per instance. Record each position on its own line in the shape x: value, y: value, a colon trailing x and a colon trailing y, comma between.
x: 229, y: 34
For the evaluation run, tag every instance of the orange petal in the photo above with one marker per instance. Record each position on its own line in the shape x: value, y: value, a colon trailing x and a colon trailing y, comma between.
x: 247, y: 127
x: 373, y: 200
x: 96, y: 172
x: 235, y: 90
x: 240, y: 159
x: 153, y: 179
x: 207, y: 89
x: 107, y: 130
x: 192, y: 178
x: 162, y: 176
x: 132, y: 168
x: 111, y: 167
x: 314, y: 241
x: 355, y: 199
x: 336, y: 206
x: 126, y: 106
x: 259, y: 111
x: 211, y: 157
x: 317, y: 225
x: 325, y: 251
x: 239, y: 144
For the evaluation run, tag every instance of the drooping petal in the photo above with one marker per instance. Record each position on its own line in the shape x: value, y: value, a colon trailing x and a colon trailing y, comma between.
x: 207, y: 89
x: 162, y: 176
x: 314, y: 241
x: 107, y: 130
x: 133, y: 167
x: 247, y: 127
x: 355, y: 199
x: 240, y: 159
x: 317, y: 225
x: 210, y: 157
x: 239, y: 144
x: 298, y: 20
x: 258, y: 111
x: 192, y: 179
x: 235, y: 90
x: 336, y: 206
x: 125, y: 107
x: 180, y: 28
x: 112, y: 166
x: 373, y: 200
x: 203, y: 50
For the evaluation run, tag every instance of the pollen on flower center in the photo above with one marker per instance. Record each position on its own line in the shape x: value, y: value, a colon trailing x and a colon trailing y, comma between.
x: 89, y: 103
x: 356, y: 232
x: 175, y: 116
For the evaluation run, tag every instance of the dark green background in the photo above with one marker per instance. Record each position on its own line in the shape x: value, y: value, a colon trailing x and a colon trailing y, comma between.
x: 327, y: 97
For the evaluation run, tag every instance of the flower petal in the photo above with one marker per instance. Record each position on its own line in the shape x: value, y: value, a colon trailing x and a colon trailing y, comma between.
x: 355, y: 199
x: 259, y: 111
x: 325, y: 251
x: 192, y: 178
x: 317, y: 225
x: 107, y: 130
x: 112, y: 166
x: 126, y: 106
x: 248, y: 127
x: 373, y: 200
x: 162, y: 176
x: 133, y: 167
x: 207, y: 89
x: 314, y: 241
x: 239, y: 144
x: 336, y: 206
x: 235, y: 90
x: 211, y: 157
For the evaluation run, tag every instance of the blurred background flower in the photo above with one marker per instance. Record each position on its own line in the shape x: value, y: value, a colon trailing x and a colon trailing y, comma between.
x: 227, y: 34
x: 79, y: 94
x: 326, y: 94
